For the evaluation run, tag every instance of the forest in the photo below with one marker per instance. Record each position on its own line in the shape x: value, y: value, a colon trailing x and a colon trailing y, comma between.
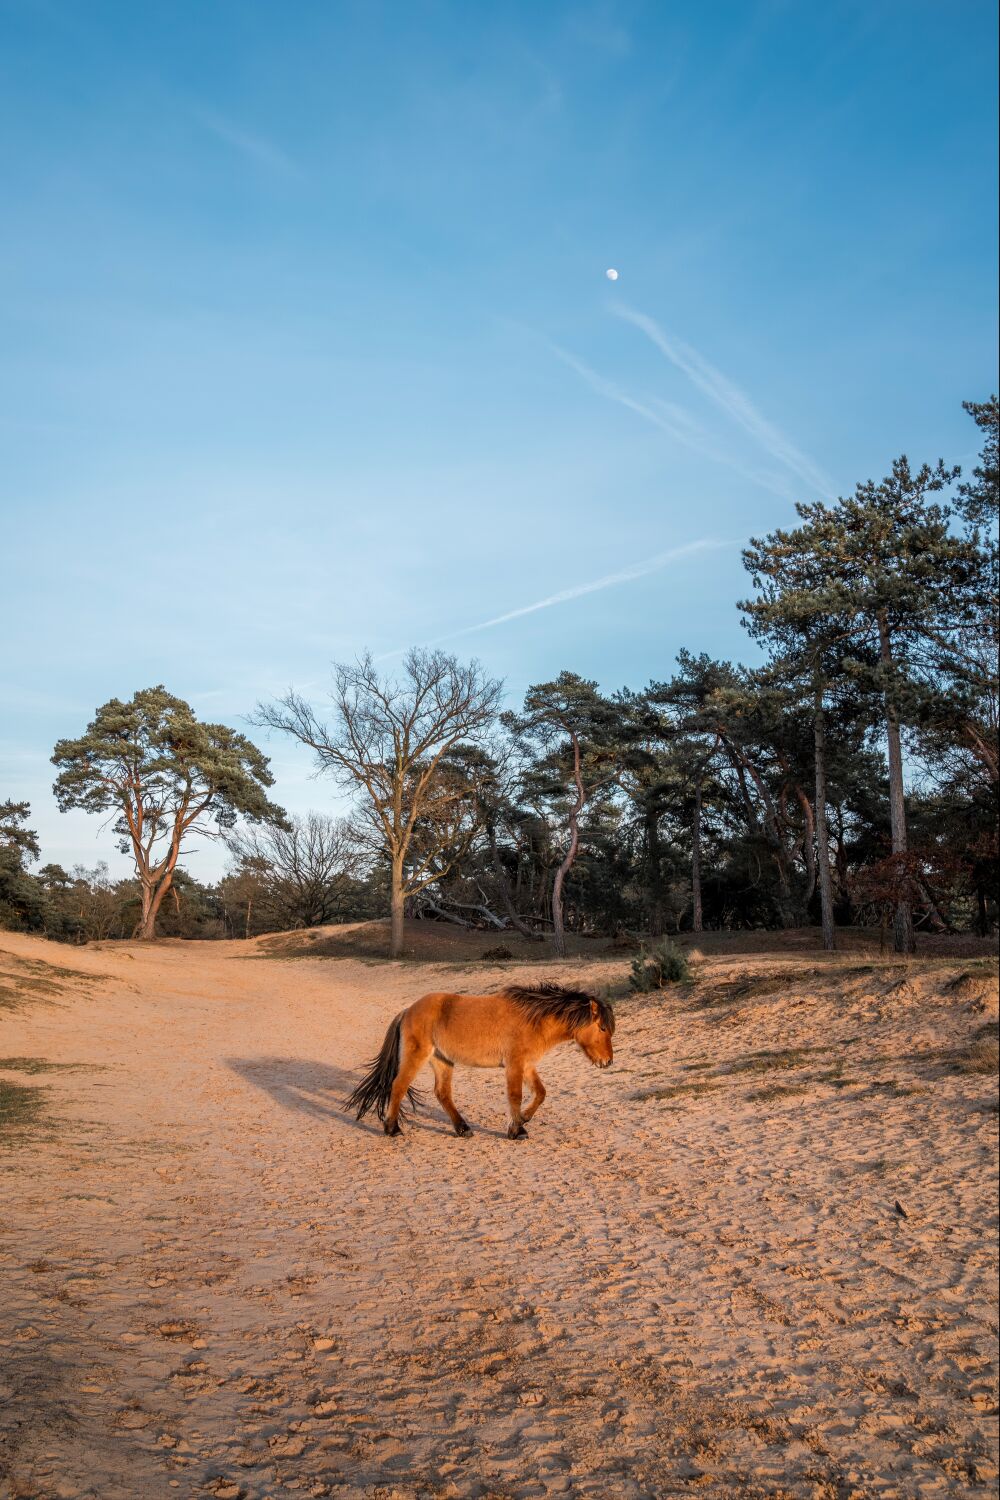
x: 850, y: 779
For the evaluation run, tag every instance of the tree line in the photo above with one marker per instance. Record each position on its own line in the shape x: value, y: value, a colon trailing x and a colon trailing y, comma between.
x: 720, y: 796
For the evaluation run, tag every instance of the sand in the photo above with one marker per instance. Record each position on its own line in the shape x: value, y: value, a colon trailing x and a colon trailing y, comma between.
x: 757, y: 1257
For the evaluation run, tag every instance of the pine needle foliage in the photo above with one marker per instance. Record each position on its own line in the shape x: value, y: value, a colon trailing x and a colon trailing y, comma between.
x: 665, y: 964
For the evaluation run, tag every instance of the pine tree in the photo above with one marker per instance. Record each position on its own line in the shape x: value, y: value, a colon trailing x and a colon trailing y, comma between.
x: 886, y: 562
x: 728, y: 714
x: 801, y: 615
x: 576, y: 733
x: 163, y: 776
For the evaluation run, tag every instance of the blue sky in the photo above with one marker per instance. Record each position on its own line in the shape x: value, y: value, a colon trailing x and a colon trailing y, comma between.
x: 307, y: 344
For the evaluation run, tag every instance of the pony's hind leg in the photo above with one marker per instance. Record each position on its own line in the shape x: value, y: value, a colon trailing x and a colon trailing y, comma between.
x: 515, y: 1088
x: 443, y: 1073
x: 537, y: 1092
x: 413, y: 1056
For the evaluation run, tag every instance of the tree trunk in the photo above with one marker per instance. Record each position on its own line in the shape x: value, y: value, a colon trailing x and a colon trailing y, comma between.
x: 516, y: 921
x: 696, y: 917
x: 903, y: 918
x: 655, y: 889
x: 152, y: 900
x: 773, y: 834
x: 147, y: 921
x: 984, y: 916
x: 751, y: 812
x: 558, y: 934
x: 822, y: 837
x: 937, y: 917
x: 808, y: 848
x: 840, y: 858
x: 439, y: 911
x: 157, y: 879
x: 396, y: 901
x: 558, y: 931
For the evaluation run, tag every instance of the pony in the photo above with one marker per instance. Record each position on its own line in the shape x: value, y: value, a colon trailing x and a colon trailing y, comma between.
x: 510, y: 1029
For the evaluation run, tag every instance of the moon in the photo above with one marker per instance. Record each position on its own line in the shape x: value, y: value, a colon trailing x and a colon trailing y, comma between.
x: 611, y: 274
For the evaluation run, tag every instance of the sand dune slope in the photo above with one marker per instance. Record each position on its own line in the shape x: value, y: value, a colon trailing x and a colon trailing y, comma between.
x: 757, y: 1257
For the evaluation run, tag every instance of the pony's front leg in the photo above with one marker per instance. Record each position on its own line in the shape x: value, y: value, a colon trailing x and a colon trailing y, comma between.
x: 515, y: 1087
x: 537, y: 1093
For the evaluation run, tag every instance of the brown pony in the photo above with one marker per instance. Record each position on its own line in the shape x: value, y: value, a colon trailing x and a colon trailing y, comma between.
x: 511, y: 1029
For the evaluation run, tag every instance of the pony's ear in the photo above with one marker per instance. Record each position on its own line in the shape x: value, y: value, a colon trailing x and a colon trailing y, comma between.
x: 595, y: 1011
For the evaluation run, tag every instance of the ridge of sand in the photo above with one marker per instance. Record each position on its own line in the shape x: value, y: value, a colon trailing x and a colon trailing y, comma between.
x: 757, y: 1257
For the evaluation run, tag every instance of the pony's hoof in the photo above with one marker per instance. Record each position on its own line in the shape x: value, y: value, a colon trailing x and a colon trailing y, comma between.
x: 517, y: 1133
x: 391, y: 1127
x: 463, y: 1128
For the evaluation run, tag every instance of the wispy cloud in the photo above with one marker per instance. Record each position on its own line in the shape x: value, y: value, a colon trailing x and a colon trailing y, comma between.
x: 598, y: 28
x: 578, y: 590
x: 729, y: 398
x: 673, y: 420
x: 255, y: 148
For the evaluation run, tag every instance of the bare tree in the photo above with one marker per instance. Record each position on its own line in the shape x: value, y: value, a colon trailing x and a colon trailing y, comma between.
x: 390, y: 741
x: 306, y: 866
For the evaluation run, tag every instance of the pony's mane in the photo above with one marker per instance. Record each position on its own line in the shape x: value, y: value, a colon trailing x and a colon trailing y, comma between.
x: 539, y: 1001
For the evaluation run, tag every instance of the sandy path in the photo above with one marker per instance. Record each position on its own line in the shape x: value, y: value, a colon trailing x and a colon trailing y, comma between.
x: 216, y: 1283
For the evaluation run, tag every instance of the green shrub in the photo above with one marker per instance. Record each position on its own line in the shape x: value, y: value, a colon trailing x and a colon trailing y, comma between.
x: 665, y: 964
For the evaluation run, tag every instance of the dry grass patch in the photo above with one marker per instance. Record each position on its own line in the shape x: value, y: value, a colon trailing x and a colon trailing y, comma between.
x: 42, y: 1065
x: 765, y: 1062
x: 981, y: 1056
x: 677, y: 1090
x: 33, y: 981
x: 783, y: 1059
x: 777, y: 1091
x: 835, y: 1077
x: 756, y: 987
x: 44, y: 968
x: 894, y: 1089
x: 21, y: 1106
x: 18, y: 990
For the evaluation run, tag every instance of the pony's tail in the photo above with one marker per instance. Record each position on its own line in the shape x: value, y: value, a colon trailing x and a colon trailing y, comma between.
x: 375, y: 1089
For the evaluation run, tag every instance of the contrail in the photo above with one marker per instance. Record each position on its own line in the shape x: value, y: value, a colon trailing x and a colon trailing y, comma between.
x: 671, y: 419
x: 578, y: 590
x: 624, y: 575
x: 260, y: 151
x: 720, y: 389
x: 613, y: 392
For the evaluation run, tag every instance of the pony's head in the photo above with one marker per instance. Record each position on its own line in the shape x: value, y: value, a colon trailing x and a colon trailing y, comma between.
x: 594, y: 1035
x: 582, y: 1018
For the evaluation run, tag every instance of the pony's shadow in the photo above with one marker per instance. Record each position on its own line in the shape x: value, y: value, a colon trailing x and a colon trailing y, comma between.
x: 317, y: 1089
x: 300, y: 1083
